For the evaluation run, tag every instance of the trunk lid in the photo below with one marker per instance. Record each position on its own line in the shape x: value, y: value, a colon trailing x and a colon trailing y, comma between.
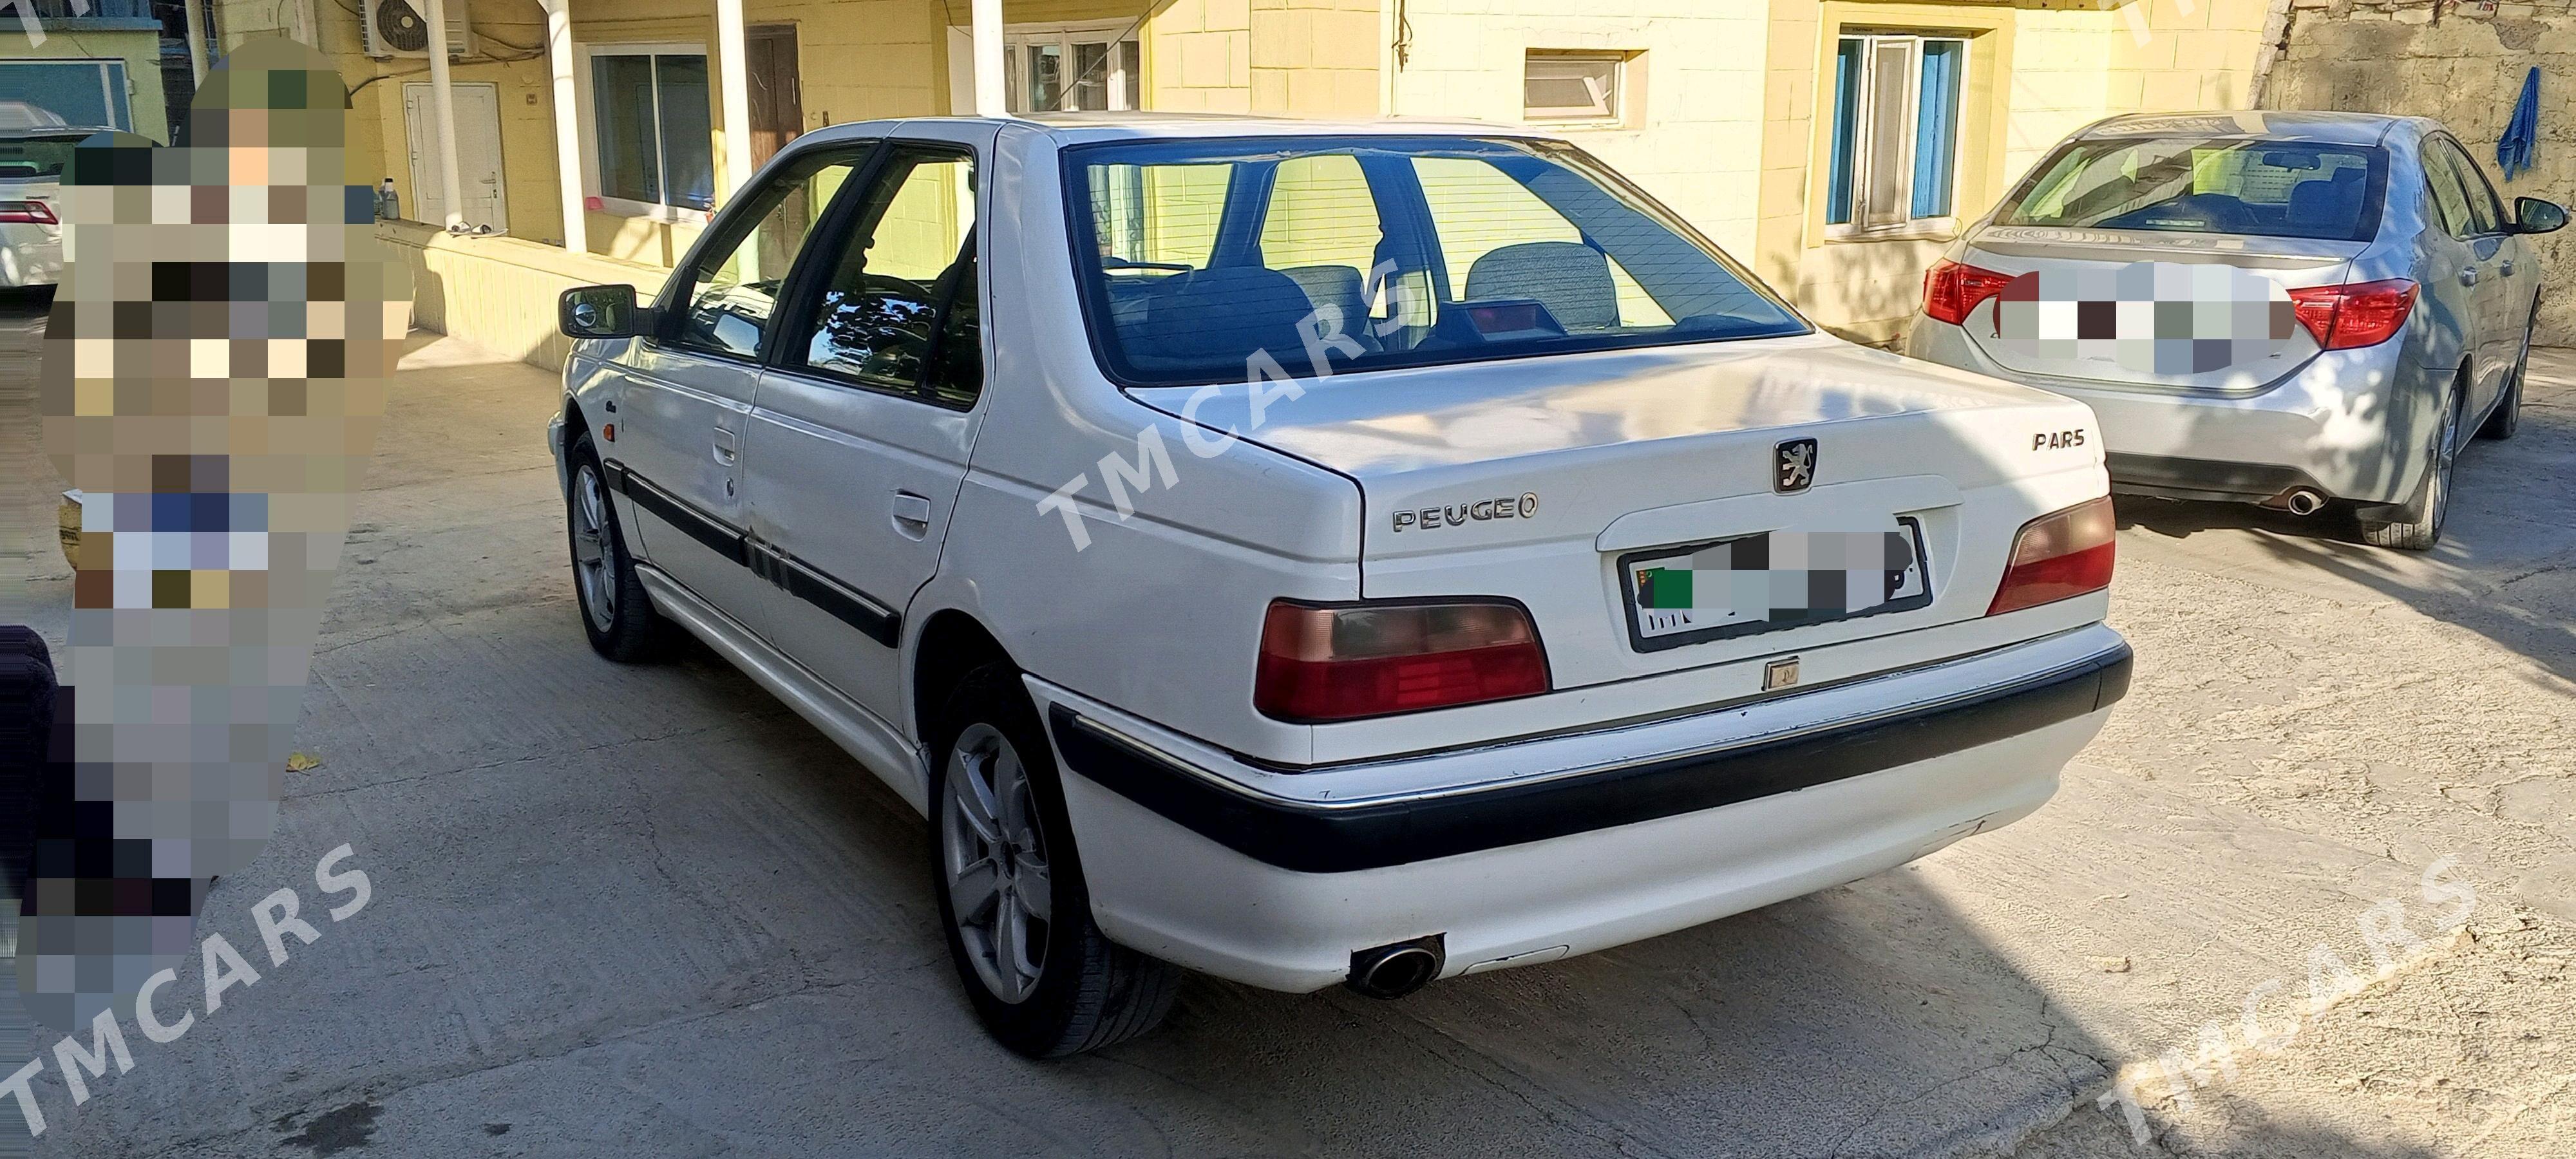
x: 2096, y: 255
x: 1543, y: 480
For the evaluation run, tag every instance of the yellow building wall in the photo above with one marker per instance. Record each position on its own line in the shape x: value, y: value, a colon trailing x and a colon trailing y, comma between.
x: 1198, y: 56
x: 1694, y: 131
x: 2038, y: 70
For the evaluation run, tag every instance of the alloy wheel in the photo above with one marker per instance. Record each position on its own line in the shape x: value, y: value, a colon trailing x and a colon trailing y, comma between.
x: 591, y: 565
x: 1000, y: 885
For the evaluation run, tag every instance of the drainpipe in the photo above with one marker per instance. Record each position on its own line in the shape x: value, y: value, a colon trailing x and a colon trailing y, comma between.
x: 576, y: 223
x: 451, y: 184
x: 987, y: 35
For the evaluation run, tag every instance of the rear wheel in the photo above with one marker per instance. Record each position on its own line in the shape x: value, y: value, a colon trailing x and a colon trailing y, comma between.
x: 616, y: 613
x: 2416, y: 525
x: 1043, y: 979
x: 2507, y: 416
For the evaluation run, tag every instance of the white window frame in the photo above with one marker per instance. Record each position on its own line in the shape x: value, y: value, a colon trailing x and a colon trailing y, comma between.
x: 1865, y: 126
x: 1615, y: 110
x: 1016, y: 38
x: 591, y: 184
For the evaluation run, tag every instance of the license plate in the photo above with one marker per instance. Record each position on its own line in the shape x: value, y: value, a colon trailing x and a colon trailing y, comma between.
x: 1771, y: 582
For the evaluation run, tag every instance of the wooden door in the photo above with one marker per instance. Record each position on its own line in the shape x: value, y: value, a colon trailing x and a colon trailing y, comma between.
x: 777, y: 107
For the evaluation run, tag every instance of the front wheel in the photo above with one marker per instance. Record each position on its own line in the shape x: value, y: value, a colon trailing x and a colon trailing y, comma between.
x: 616, y: 613
x: 2416, y: 525
x: 1043, y: 979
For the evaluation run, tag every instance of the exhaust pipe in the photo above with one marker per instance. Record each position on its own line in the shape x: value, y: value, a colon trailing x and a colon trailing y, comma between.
x: 2305, y: 502
x: 1393, y: 971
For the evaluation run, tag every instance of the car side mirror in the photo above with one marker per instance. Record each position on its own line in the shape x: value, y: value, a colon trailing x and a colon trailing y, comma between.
x: 602, y: 312
x: 2532, y: 215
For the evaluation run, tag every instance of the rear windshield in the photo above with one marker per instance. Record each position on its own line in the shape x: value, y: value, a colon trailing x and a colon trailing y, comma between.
x: 1221, y: 261
x: 2206, y: 185
x: 30, y: 158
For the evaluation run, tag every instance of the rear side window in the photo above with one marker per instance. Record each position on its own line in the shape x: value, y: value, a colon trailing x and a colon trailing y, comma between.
x: 2483, y: 212
x: 1224, y: 260
x: 896, y: 307
x: 2300, y: 189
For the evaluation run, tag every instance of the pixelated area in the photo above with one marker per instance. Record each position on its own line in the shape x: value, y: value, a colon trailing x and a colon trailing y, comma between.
x: 1784, y: 576
x: 2161, y: 318
x: 212, y: 383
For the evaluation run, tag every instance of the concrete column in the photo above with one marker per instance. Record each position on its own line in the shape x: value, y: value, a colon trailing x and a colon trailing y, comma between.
x: 451, y: 184
x: 733, y: 64
x: 576, y: 223
x: 196, y: 38
x: 991, y: 99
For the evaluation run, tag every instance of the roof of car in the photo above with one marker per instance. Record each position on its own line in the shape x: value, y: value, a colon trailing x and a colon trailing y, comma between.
x: 1072, y: 128
x: 31, y: 132
x: 2332, y: 128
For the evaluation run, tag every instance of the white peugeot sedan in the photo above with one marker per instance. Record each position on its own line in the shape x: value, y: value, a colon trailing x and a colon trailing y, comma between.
x: 1312, y: 553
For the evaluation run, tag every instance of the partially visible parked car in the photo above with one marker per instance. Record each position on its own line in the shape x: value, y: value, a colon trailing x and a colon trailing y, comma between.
x: 32, y: 161
x: 2391, y: 301
x: 1320, y: 554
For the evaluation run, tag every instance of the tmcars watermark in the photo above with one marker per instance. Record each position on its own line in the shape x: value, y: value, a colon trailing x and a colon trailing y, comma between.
x: 225, y: 968
x: 2271, y: 1017
x: 1266, y: 381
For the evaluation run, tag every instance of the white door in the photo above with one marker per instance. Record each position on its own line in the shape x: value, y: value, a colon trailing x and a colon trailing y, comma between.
x: 478, y: 154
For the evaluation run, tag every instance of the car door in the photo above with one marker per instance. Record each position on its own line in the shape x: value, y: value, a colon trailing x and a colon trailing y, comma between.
x: 2454, y: 262
x: 859, y: 439
x: 2507, y: 279
x: 676, y: 451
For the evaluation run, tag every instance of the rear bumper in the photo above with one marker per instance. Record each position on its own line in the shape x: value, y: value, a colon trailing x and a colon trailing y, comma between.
x: 2350, y: 423
x: 1562, y: 844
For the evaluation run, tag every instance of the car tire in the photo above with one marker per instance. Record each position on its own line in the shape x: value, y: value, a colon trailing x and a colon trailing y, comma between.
x: 2416, y: 525
x: 1043, y: 979
x: 2507, y: 417
x: 616, y: 612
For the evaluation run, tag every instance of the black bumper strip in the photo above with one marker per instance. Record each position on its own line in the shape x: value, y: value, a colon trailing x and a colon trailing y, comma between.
x: 1316, y: 839
x: 802, y: 580
x: 698, y: 525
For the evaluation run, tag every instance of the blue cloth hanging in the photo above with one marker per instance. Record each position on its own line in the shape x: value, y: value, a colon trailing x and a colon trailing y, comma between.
x: 2521, y: 134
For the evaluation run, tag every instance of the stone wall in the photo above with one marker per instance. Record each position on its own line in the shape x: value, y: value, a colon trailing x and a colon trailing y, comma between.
x: 2460, y: 63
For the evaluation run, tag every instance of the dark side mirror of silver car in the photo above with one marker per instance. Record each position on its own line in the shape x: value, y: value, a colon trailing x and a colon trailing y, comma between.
x: 2532, y: 215
x: 602, y: 312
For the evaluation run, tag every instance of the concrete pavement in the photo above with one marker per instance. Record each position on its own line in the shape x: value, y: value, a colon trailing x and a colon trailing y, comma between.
x: 647, y: 911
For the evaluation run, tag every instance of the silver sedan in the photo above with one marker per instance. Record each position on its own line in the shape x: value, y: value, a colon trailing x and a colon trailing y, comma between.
x: 2292, y: 309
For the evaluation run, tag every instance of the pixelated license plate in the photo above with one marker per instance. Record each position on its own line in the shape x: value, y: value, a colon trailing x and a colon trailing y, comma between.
x: 1770, y: 582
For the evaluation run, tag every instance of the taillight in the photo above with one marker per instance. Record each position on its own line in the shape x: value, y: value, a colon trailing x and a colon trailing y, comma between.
x: 2058, y: 555
x: 1951, y: 290
x: 2361, y: 314
x: 27, y: 213
x: 1374, y: 659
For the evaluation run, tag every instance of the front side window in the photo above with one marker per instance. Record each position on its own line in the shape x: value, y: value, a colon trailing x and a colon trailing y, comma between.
x: 1894, y: 160
x: 2192, y: 184
x: 654, y: 132
x: 896, y: 309
x: 1208, y: 261
x: 735, y: 286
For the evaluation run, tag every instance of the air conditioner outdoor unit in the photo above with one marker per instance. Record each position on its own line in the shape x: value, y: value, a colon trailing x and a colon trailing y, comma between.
x: 397, y: 28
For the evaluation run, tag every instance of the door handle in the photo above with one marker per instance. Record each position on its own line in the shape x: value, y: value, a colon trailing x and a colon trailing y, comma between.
x: 2507, y: 271
x: 911, y: 514
x: 2469, y: 276
x: 727, y: 447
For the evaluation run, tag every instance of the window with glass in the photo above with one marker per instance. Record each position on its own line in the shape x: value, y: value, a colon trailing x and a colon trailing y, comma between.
x: 734, y: 288
x: 1212, y: 261
x: 2484, y: 210
x: 1894, y: 160
x: 896, y: 310
x: 1573, y: 86
x: 2202, y: 184
x: 89, y: 94
x: 654, y: 132
x: 1073, y: 68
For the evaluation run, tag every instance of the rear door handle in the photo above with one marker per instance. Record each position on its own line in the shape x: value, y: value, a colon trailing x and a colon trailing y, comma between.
x: 727, y: 447
x: 911, y: 514
x: 2469, y: 276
